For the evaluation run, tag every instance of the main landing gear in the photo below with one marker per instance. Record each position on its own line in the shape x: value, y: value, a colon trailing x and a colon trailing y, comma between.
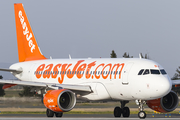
x: 51, y: 113
x: 141, y: 114
x: 122, y: 110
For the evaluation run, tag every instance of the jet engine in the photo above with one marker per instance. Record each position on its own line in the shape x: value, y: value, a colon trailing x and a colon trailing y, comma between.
x: 165, y: 104
x: 59, y: 100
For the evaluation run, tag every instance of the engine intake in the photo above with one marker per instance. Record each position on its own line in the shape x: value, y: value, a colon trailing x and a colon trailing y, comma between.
x: 59, y: 100
x: 165, y: 104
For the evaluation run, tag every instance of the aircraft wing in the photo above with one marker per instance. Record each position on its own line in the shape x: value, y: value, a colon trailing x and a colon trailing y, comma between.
x: 175, y: 82
x: 11, y: 70
x: 80, y: 88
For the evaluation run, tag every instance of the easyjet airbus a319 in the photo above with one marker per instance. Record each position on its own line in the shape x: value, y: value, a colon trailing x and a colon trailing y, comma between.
x: 62, y: 81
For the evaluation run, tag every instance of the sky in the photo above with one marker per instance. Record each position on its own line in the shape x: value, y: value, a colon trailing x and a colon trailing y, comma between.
x: 93, y: 28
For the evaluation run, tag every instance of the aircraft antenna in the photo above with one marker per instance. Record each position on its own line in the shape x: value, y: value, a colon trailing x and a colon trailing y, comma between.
x: 140, y: 55
x: 69, y: 56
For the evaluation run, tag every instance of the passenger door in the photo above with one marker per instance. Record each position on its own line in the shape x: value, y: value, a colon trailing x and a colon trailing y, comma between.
x: 126, y: 72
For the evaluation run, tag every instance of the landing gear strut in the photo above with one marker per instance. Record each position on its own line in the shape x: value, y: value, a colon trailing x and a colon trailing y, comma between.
x: 141, y: 114
x: 122, y: 110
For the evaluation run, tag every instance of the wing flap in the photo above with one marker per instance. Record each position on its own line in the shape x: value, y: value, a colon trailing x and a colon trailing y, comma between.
x: 85, y: 88
x: 25, y: 83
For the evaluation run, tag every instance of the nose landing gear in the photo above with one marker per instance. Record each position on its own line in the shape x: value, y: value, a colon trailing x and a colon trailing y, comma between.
x: 141, y: 114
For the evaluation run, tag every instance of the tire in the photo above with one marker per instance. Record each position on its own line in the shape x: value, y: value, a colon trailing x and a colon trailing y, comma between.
x: 126, y: 112
x: 49, y: 113
x: 58, y: 114
x: 117, y: 112
x: 142, y: 115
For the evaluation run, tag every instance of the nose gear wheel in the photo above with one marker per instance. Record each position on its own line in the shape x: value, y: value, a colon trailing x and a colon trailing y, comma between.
x: 141, y: 114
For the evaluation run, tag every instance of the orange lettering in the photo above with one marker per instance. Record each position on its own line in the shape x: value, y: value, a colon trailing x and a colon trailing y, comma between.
x: 63, y: 69
x: 80, y: 70
x: 89, y: 68
x: 118, y: 65
x: 96, y: 70
x: 40, y: 68
x: 121, y: 70
x: 47, y: 72
x: 55, y: 71
x: 108, y: 70
x: 74, y: 69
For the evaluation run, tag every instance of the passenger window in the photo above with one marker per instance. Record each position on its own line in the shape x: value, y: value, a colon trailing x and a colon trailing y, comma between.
x: 140, y: 72
x: 163, y: 72
x: 146, y: 72
x: 155, y: 72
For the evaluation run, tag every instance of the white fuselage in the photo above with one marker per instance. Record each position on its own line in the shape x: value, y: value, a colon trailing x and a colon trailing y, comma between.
x: 110, y: 79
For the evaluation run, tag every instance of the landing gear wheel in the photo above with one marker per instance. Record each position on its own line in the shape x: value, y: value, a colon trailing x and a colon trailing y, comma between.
x: 142, y: 115
x: 58, y: 114
x: 126, y: 112
x: 49, y: 113
x: 117, y: 112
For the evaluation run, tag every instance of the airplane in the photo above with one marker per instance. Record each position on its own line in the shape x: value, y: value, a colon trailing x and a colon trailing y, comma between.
x: 63, y: 81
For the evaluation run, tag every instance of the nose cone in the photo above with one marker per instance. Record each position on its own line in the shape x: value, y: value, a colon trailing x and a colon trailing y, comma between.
x: 153, y: 87
x: 162, y: 87
x: 165, y: 86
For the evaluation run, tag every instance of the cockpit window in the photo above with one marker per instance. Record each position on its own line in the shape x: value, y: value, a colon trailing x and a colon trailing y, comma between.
x: 140, y: 72
x: 163, y: 72
x: 152, y: 71
x: 155, y: 71
x: 146, y: 72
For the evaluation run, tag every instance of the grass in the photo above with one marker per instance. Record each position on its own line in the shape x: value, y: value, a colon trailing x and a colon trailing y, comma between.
x: 12, y: 93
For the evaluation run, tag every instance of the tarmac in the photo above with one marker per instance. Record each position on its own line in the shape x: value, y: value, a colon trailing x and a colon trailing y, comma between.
x: 86, y: 119
x: 88, y: 116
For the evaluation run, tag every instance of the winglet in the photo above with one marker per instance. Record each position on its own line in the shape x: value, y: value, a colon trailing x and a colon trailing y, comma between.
x: 28, y: 49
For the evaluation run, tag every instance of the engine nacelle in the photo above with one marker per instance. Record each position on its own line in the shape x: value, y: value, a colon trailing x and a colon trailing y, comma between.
x: 165, y: 104
x: 59, y: 100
